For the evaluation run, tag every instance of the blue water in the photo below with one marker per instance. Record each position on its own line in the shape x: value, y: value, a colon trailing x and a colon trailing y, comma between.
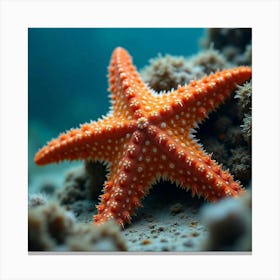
x: 67, y: 68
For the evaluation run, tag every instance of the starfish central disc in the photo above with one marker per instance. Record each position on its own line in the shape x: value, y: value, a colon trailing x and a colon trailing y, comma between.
x: 142, y: 123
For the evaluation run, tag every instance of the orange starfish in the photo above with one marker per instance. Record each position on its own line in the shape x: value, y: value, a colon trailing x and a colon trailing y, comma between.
x: 148, y: 136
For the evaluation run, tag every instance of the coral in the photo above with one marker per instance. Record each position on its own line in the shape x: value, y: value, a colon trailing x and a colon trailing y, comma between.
x: 216, y: 148
x: 74, y: 186
x: 246, y: 127
x: 244, y: 96
x: 82, y: 183
x: 229, y: 129
x: 96, y: 174
x: 52, y: 228
x: 210, y: 60
x: 88, y: 237
x: 37, y: 199
x: 47, y: 226
x: 82, y: 186
x: 244, y: 99
x: 240, y: 162
x: 167, y: 72
x: 234, y: 136
x: 229, y: 224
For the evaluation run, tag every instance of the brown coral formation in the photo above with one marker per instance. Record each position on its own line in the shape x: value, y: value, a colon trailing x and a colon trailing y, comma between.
x: 52, y: 228
x: 166, y: 72
x: 244, y: 96
x: 48, y: 225
x: 104, y: 238
x: 55, y: 226
x: 223, y: 135
x: 82, y: 183
x: 81, y: 188
x: 210, y: 60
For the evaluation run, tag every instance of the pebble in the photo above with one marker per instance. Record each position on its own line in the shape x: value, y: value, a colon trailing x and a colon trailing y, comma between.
x: 188, y: 243
x: 146, y: 242
x: 176, y: 208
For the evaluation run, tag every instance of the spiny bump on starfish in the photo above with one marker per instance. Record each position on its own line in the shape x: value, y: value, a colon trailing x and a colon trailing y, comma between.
x: 149, y: 136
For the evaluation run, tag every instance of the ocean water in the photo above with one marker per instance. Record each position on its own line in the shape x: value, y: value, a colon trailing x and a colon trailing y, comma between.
x: 67, y: 70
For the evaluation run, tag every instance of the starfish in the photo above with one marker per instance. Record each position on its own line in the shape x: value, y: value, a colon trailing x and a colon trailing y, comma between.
x: 147, y: 137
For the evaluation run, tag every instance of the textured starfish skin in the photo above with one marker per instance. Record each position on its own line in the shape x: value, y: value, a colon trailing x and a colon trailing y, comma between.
x: 148, y: 136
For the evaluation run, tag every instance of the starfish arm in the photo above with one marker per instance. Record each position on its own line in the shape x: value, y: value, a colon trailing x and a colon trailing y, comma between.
x: 128, y: 183
x: 129, y: 94
x: 192, y: 168
x: 199, y: 98
x: 93, y: 141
